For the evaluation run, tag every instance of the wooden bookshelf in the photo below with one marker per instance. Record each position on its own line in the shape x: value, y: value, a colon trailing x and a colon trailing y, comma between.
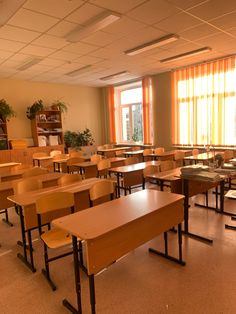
x: 3, y: 134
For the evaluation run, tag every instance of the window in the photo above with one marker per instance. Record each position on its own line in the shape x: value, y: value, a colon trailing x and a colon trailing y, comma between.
x: 204, y: 106
x: 129, y: 113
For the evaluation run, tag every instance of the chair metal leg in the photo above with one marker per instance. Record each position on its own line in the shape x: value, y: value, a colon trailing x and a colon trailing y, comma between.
x: 45, y: 271
x: 6, y: 219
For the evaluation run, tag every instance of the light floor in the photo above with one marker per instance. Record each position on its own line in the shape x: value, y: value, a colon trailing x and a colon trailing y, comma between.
x: 138, y: 283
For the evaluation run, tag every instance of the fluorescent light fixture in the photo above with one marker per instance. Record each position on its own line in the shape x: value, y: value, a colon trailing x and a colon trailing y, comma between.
x: 8, y: 8
x: 79, y: 71
x: 114, y: 76
x: 92, y: 26
x: 152, y: 44
x: 186, y: 54
x: 29, y: 64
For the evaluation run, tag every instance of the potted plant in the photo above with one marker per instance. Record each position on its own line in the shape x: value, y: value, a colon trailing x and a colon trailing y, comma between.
x: 59, y: 105
x: 6, y: 111
x: 32, y: 110
x: 70, y: 139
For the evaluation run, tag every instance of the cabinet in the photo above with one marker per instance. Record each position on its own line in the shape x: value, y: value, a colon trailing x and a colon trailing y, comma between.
x: 47, y: 128
x: 3, y: 134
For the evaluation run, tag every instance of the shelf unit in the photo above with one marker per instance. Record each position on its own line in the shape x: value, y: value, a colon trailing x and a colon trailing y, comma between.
x: 3, y: 134
x: 47, y: 125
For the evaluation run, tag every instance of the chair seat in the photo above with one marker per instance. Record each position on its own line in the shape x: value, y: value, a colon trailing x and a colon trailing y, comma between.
x: 56, y: 238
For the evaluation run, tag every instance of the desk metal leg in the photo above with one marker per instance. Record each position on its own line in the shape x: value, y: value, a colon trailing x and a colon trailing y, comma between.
x: 186, y: 216
x: 65, y: 302
x: 118, y: 184
x: 92, y: 294
x: 24, y: 258
x: 165, y: 254
x: 6, y: 219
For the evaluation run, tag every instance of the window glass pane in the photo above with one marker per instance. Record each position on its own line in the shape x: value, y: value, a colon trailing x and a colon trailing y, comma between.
x: 230, y: 121
x: 125, y: 123
x: 131, y: 96
x: 137, y: 125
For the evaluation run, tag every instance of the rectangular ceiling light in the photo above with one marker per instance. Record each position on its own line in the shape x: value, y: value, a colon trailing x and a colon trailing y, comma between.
x: 29, y: 64
x: 186, y: 54
x: 92, y: 26
x: 8, y: 8
x: 114, y: 76
x: 152, y: 44
x: 79, y: 71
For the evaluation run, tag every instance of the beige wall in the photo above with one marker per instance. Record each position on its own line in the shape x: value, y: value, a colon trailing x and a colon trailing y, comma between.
x: 162, y: 109
x: 85, y: 106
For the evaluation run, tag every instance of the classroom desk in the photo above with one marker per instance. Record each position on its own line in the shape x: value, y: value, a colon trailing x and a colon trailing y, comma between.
x: 111, y: 152
x: 39, y: 159
x: 132, y: 153
x: 190, y: 187
x: 204, y: 157
x: 89, y: 168
x: 115, y: 228
x: 13, y: 174
x: 167, y: 155
x: 132, y: 174
x: 27, y: 210
x: 8, y: 165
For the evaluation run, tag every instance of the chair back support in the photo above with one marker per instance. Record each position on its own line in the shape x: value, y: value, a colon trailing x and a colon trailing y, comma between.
x: 40, y: 154
x: 27, y: 185
x: 159, y: 150
x: 167, y: 165
x: 147, y: 151
x: 71, y: 161
x: 34, y: 172
x: 195, y: 151
x: 101, y: 189
x: 150, y: 170
x: 179, y: 158
x: 136, y: 148
x: 76, y: 153
x: 96, y: 158
x: 131, y: 160
x: 107, y: 146
x: 69, y: 178
x: 54, y: 202
x: 54, y: 153
x: 103, y: 166
x: 228, y: 154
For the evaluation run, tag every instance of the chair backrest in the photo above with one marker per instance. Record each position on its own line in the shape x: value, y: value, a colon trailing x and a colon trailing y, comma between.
x: 27, y: 185
x: 119, y: 153
x: 159, y: 150
x: 54, y: 153
x: 179, y: 158
x: 55, y: 201
x: 60, y: 156
x: 74, y: 160
x: 21, y: 167
x: 104, y: 164
x: 107, y: 146
x: 150, y: 170
x: 101, y: 191
x: 167, y: 165
x: 96, y: 158
x: 228, y: 154
x: 34, y: 172
x: 131, y: 160
x: 195, y: 151
x: 136, y: 148
x: 69, y: 178
x: 18, y: 144
x: 147, y: 151
x: 40, y: 154
x: 76, y: 153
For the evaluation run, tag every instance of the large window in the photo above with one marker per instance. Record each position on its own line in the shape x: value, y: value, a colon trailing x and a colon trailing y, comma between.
x: 129, y: 113
x: 204, y: 108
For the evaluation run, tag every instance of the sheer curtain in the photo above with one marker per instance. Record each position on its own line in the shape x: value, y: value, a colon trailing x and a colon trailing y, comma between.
x: 204, y: 104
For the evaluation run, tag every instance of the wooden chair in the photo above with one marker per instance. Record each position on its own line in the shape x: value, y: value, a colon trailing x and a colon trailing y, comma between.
x: 103, y: 167
x: 69, y: 178
x: 146, y: 152
x: 26, y: 185
x: 101, y: 192
x: 167, y: 165
x: 22, y: 166
x: 107, y: 146
x: 159, y: 150
x: 44, y: 163
x: 73, y: 160
x: 151, y: 169
x: 119, y: 153
x: 75, y: 153
x: 34, y: 172
x: 135, y: 148
x: 49, y: 207
x: 40, y: 154
x: 179, y: 158
x: 131, y: 160
x: 228, y: 154
x: 96, y: 158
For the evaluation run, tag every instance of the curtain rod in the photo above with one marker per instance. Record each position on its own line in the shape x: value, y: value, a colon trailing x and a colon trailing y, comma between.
x: 203, y: 62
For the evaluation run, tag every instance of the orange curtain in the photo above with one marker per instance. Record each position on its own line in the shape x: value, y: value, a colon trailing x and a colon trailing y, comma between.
x: 147, y: 100
x: 112, y: 120
x: 203, y: 100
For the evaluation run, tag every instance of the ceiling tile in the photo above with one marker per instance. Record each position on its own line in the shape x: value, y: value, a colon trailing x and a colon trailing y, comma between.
x: 33, y: 21
x: 101, y: 38
x: 17, y: 34
x: 55, y: 8
x: 64, y: 55
x: 62, y: 29
x: 10, y: 45
x: 52, y: 62
x: 153, y: 11
x: 145, y: 35
x: 124, y: 26
x: 200, y: 31
x: 5, y: 54
x: 50, y: 42
x: 80, y: 48
x: 37, y: 51
x: 84, y: 14
x: 118, y: 6
x: 225, y: 21
x: 219, y: 42
x: 88, y: 60
x: 186, y: 4
x: 213, y: 9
